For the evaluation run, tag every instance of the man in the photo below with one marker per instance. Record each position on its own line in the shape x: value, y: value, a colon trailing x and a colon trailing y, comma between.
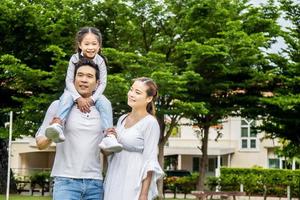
x: 76, y: 169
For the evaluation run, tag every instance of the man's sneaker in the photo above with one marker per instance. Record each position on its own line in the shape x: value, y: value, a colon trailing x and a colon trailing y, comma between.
x: 110, y: 144
x: 55, y: 133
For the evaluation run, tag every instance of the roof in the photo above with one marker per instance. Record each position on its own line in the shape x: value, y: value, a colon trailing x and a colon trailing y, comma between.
x: 195, y: 151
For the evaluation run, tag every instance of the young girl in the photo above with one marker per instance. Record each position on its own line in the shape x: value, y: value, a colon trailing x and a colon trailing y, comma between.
x: 133, y: 172
x: 88, y: 43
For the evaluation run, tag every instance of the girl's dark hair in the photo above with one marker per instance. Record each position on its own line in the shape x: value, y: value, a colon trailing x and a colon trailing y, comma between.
x: 89, y: 62
x: 152, y: 91
x: 80, y: 35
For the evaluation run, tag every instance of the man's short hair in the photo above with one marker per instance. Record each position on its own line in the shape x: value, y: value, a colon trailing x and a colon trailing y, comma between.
x: 89, y: 62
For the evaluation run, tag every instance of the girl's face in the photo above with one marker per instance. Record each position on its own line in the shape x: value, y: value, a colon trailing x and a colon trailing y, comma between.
x: 89, y: 45
x: 137, y: 95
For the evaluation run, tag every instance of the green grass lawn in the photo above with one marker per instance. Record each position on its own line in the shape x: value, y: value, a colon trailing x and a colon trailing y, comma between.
x: 23, y: 197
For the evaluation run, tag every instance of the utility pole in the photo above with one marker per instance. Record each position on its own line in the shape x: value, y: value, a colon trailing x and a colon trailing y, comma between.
x: 9, y: 153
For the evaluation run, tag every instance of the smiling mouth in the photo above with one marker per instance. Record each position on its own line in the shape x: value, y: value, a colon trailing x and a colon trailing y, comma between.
x: 131, y: 99
x: 83, y: 86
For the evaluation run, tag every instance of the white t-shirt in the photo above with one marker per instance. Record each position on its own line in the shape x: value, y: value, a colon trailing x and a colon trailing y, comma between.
x: 79, y: 155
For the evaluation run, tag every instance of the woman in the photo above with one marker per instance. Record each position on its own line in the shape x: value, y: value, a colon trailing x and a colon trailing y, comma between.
x: 133, y: 172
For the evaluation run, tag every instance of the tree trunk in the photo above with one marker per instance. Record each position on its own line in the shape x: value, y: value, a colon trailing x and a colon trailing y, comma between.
x: 161, y: 162
x: 161, y: 144
x: 203, y: 166
x: 3, y: 169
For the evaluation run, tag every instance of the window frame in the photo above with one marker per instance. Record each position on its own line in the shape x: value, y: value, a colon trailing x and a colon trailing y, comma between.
x: 247, y: 124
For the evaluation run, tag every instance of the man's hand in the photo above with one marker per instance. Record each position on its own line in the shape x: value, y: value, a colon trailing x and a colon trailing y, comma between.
x: 42, y: 142
x: 84, y: 104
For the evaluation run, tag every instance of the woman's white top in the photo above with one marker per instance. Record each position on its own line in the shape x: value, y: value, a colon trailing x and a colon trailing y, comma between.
x: 128, y: 168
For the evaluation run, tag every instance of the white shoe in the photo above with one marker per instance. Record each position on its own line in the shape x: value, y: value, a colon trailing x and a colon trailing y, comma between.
x: 55, y: 133
x: 110, y: 144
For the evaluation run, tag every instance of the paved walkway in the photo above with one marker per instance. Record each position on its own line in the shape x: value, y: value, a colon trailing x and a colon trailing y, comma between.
x: 189, y: 196
x: 179, y: 196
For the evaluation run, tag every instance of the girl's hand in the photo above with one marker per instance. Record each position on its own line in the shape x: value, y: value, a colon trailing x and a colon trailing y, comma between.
x: 83, y: 105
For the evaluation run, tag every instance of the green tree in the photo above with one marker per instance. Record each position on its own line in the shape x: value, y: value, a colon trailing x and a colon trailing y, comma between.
x: 149, y: 30
x: 28, y: 29
x: 205, y: 56
x: 283, y: 106
x: 223, y: 47
x: 31, y: 70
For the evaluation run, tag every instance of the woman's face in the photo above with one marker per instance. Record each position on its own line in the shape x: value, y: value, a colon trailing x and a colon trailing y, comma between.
x: 137, y: 95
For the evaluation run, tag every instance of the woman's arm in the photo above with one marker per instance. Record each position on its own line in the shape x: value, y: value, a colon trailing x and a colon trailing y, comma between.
x: 145, y: 186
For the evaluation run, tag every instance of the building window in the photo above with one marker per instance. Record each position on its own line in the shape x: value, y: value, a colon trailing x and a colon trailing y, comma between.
x: 274, y: 163
x: 196, y: 164
x: 176, y: 132
x: 253, y: 143
x: 212, y: 164
x: 171, y: 162
x: 248, y: 135
x: 286, y: 164
x: 244, y: 143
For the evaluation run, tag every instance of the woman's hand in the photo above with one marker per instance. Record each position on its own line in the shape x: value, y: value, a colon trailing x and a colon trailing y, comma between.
x: 143, y: 197
x: 84, y: 104
x: 111, y: 131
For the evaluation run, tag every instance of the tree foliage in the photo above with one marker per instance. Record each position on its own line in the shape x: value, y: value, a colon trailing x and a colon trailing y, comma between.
x: 282, y: 108
x: 223, y: 47
x: 208, y: 58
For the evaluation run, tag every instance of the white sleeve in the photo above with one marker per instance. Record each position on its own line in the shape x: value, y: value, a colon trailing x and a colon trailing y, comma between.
x: 150, y: 153
x: 70, y: 77
x: 48, y: 118
x: 102, y: 79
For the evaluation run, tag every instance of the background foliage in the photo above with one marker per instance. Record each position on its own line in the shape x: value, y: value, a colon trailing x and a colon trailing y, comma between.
x: 209, y: 58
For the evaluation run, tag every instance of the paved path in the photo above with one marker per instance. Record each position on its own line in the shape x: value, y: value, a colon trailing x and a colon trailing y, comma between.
x: 189, y: 196
x: 179, y: 196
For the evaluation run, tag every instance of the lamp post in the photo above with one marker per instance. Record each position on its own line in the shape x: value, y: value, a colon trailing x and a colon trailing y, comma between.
x: 9, y: 153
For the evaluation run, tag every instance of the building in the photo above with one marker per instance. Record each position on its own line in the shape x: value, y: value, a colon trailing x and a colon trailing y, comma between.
x: 26, y: 158
x: 233, y: 143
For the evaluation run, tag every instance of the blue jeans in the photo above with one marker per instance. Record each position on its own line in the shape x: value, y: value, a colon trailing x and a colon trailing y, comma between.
x: 77, y: 189
x: 102, y: 104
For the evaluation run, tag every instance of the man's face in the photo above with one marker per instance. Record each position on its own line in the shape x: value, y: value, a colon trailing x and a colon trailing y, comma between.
x: 85, y: 81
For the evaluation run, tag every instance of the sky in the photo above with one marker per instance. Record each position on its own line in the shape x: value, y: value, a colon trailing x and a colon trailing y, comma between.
x: 279, y: 45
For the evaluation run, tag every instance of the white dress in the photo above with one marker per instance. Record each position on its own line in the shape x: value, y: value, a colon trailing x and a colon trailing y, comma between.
x: 128, y: 168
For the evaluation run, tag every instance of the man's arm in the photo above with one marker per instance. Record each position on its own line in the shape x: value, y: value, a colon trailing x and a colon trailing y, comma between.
x: 42, y: 141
